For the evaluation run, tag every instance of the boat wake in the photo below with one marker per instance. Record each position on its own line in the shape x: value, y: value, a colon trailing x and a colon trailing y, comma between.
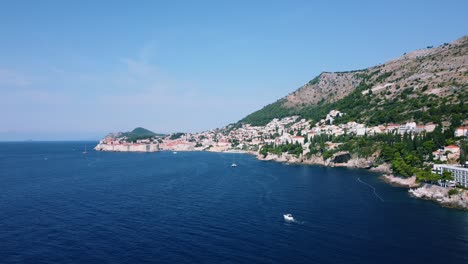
x: 372, y: 187
x: 288, y: 218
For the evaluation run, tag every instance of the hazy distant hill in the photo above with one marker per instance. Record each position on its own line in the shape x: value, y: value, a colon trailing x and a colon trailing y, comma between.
x: 428, y: 85
x: 137, y: 133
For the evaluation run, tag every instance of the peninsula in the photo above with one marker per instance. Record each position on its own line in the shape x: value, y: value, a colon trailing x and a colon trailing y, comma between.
x: 405, y: 118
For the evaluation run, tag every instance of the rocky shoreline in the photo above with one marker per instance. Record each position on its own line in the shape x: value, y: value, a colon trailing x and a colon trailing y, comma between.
x: 360, y: 163
x: 400, y: 182
x: 431, y: 192
x: 442, y: 196
x: 423, y: 191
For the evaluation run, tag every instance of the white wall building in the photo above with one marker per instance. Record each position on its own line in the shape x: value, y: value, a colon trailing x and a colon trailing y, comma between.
x: 460, y: 174
x: 298, y: 139
x: 461, y: 131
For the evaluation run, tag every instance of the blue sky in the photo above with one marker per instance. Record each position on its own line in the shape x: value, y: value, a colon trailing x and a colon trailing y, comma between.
x: 80, y: 69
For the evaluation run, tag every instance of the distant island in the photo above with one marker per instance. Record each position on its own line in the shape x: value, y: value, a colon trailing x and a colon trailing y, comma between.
x: 406, y: 118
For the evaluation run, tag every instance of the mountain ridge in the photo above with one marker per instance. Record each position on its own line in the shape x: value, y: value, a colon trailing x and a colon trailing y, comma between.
x: 430, y: 74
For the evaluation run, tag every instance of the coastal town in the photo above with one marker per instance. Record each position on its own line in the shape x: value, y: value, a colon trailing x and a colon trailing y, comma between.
x: 298, y: 132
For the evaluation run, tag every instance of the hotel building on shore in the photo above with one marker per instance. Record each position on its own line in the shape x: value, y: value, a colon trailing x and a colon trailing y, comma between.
x: 460, y: 174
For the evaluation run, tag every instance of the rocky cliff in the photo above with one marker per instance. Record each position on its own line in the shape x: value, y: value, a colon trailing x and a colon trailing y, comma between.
x: 442, y: 196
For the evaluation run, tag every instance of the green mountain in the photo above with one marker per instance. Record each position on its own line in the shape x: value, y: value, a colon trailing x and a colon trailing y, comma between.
x: 427, y: 85
x: 139, y: 133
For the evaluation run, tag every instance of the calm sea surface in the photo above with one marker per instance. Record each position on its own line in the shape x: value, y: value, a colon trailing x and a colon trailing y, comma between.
x: 60, y: 206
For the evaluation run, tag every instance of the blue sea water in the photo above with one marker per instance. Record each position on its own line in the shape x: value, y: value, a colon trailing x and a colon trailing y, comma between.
x: 60, y: 206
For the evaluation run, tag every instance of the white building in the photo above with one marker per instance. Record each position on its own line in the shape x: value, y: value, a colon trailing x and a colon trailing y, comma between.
x: 419, y: 129
x: 360, y: 131
x: 407, y: 128
x: 298, y: 139
x: 460, y: 174
x: 439, y: 155
x: 430, y: 127
x: 461, y: 131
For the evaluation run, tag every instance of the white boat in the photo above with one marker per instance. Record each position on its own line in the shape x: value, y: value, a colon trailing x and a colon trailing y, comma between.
x: 288, y: 217
x: 85, y: 152
x: 175, y: 152
x: 234, y: 161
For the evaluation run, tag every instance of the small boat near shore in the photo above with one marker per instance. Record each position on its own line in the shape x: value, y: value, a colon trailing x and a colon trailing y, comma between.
x: 234, y: 161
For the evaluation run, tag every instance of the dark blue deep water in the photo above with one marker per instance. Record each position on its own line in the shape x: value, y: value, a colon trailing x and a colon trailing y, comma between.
x: 60, y: 206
